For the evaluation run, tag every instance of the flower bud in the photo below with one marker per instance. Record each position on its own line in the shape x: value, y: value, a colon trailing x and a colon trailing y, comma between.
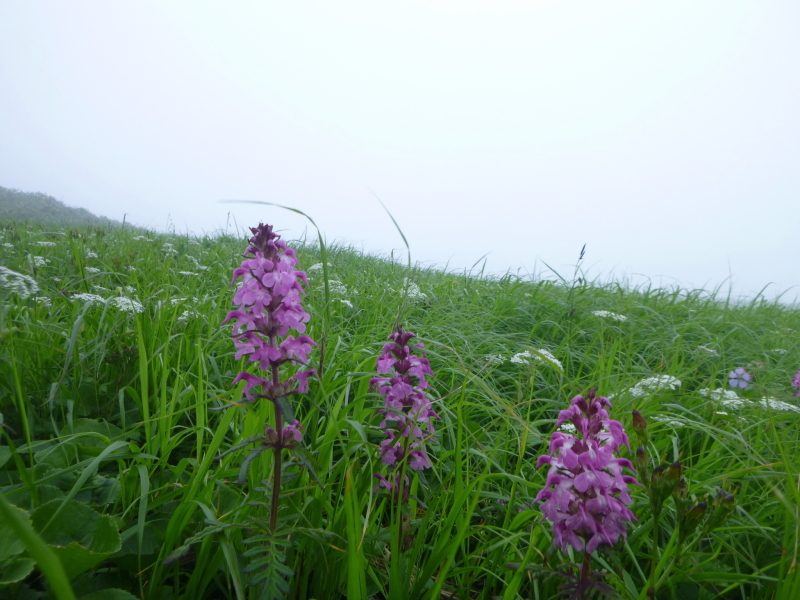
x: 688, y: 521
x: 681, y: 490
x: 673, y: 473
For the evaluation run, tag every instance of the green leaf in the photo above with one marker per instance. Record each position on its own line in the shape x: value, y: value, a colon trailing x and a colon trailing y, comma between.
x: 246, y: 464
x: 309, y: 463
x: 5, y: 454
x: 15, y: 570
x: 80, y: 536
x: 286, y: 409
x: 39, y: 551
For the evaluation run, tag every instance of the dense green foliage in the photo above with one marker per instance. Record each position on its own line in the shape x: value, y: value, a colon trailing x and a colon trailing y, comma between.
x: 41, y: 208
x: 110, y: 468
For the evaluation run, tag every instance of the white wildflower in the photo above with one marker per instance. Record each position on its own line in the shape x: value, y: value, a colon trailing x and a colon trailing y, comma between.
x: 130, y: 268
x: 651, y: 385
x: 609, y: 315
x: 100, y: 288
x: 735, y: 403
x: 186, y: 273
x: 44, y: 300
x: 40, y: 261
x: 316, y: 267
x: 707, y: 350
x: 194, y: 242
x: 567, y: 427
x: 46, y: 244
x: 541, y: 355
x: 90, y: 254
x: 719, y: 394
x: 347, y: 303
x: 527, y: 295
x: 769, y: 402
x: 91, y: 270
x: 495, y: 359
x: 186, y: 315
x: 414, y: 293
x: 7, y: 245
x: 337, y: 287
x: 780, y: 351
x: 142, y: 238
x: 126, y: 304
x: 12, y: 282
x: 130, y: 289
x: 721, y: 413
x: 89, y: 298
x: 176, y: 301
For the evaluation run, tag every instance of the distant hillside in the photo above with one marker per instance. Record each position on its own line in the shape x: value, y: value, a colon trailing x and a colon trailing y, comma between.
x: 41, y: 208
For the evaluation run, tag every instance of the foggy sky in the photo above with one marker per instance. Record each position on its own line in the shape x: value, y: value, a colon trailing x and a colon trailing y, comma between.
x: 664, y: 135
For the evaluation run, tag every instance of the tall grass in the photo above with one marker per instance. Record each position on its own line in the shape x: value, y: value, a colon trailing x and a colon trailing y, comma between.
x: 112, y: 449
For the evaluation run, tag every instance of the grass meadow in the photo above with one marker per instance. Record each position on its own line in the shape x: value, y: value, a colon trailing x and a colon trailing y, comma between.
x: 116, y: 481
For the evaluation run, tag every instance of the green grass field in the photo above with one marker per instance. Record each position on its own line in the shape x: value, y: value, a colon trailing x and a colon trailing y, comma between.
x: 111, y: 480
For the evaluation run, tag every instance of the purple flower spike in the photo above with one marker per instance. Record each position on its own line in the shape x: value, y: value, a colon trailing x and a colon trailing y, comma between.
x: 796, y: 383
x: 586, y: 495
x: 270, y: 306
x: 407, y: 414
x: 739, y: 378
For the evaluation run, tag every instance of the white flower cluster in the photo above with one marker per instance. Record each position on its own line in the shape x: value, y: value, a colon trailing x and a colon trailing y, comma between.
x: 774, y: 404
x: 540, y: 355
x: 46, y: 244
x: 730, y: 399
x: 83, y: 297
x: 7, y: 245
x: 707, y: 350
x: 337, y: 287
x: 142, y: 238
x: 92, y: 270
x: 316, y: 267
x: 44, y: 300
x: 126, y: 304
x: 186, y: 273
x: 651, y: 385
x: 609, y: 315
x: 567, y: 427
x: 40, y: 261
x: 347, y: 303
x: 120, y: 302
x: 495, y: 359
x: 90, y: 254
x: 779, y: 351
x: 186, y: 315
x: 719, y: 394
x: 130, y: 268
x: 197, y: 264
x: 414, y: 293
x: 168, y: 249
x: 12, y: 282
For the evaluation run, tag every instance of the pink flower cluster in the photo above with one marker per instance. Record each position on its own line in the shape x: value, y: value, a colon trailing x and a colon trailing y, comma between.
x: 270, y: 305
x: 586, y: 495
x: 407, y: 414
x: 796, y: 383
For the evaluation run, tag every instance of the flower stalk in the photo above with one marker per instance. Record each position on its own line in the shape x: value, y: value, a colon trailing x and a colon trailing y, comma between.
x: 270, y: 306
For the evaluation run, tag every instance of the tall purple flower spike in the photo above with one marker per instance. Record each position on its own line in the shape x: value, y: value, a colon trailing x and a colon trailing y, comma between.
x: 407, y: 413
x: 739, y: 378
x: 270, y: 305
x: 586, y: 495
